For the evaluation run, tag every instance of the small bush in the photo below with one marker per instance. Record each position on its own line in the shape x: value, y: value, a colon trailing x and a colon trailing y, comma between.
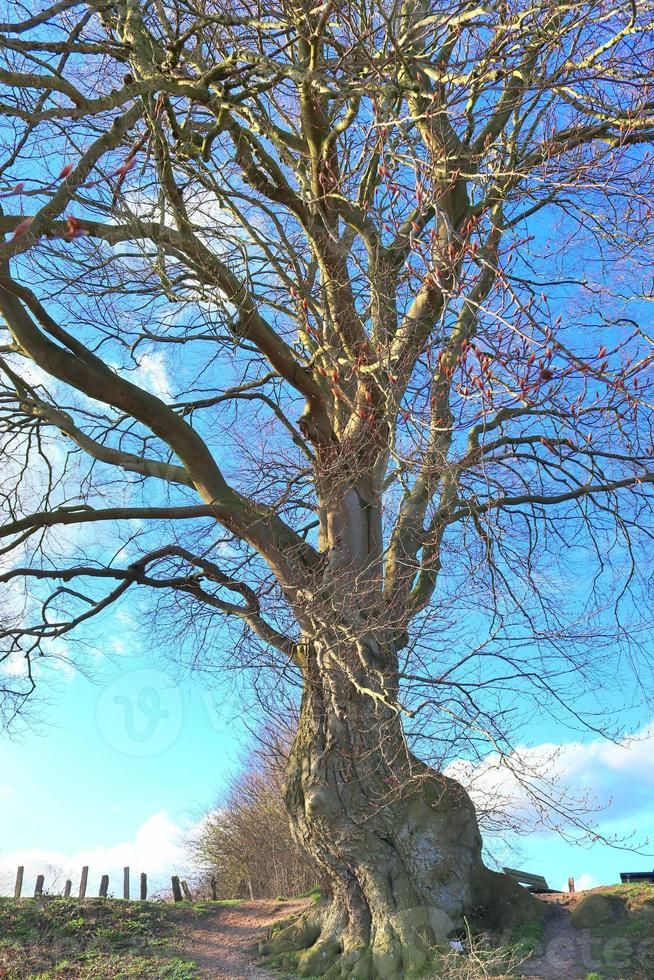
x: 482, y: 960
x: 593, y: 910
x: 246, y: 843
x: 528, y: 936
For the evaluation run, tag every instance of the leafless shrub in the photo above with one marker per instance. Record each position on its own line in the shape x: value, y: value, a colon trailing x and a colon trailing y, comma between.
x: 246, y: 844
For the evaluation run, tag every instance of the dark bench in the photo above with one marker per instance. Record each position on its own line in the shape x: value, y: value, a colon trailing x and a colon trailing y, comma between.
x: 533, y: 883
x: 628, y: 876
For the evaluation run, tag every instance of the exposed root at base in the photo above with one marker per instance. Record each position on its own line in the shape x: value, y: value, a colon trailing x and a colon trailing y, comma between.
x: 319, y: 942
x: 317, y: 945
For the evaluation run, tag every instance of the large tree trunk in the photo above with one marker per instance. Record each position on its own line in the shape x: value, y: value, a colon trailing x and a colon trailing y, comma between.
x: 397, y: 843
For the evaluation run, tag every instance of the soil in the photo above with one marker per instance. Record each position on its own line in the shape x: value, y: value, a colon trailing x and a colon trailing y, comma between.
x: 562, y: 953
x: 566, y: 951
x: 224, y: 945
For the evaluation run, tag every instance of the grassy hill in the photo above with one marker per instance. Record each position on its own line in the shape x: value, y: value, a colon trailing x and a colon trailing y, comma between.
x: 618, y: 922
x: 603, y: 934
x: 61, y: 939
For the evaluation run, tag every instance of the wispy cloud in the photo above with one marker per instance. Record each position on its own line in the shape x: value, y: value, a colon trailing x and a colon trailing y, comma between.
x: 153, y: 374
x: 594, y: 773
x: 582, y: 883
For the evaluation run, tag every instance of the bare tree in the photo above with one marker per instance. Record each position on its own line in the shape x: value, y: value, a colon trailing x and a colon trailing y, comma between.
x: 336, y: 318
x: 245, y: 841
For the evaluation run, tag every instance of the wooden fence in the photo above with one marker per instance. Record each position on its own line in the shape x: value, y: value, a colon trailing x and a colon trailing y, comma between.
x: 180, y: 889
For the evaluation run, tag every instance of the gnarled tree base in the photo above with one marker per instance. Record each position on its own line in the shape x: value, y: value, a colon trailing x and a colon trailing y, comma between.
x: 396, y: 842
x: 319, y: 943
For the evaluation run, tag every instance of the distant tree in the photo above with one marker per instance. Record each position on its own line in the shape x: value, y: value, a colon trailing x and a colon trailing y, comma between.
x: 336, y: 317
x: 245, y: 842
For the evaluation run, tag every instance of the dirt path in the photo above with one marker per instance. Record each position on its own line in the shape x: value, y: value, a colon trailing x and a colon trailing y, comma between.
x: 224, y: 943
x: 565, y: 951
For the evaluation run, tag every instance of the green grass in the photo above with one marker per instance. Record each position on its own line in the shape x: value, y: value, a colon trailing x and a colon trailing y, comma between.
x: 314, y: 893
x: 121, y: 967
x: 96, y: 939
x: 527, y: 937
x: 203, y: 908
x: 104, y: 939
x: 625, y: 944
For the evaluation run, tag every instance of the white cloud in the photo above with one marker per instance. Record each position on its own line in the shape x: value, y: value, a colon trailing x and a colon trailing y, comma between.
x: 583, y: 882
x: 13, y: 665
x: 614, y: 779
x: 154, y: 376
x: 58, y: 660
x: 158, y: 848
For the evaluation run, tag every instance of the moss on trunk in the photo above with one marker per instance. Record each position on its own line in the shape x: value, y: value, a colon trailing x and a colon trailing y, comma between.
x: 397, y: 844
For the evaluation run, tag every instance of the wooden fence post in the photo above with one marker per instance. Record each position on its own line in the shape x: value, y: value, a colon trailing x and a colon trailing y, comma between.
x: 187, y: 892
x: 38, y: 888
x: 126, y: 884
x: 104, y: 886
x: 214, y: 889
x: 177, y: 891
x: 144, y: 886
x: 67, y: 888
x: 19, y: 882
x: 83, y: 881
x: 571, y: 884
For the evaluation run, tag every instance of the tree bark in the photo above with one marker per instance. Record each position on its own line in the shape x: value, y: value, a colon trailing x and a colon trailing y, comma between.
x: 397, y: 843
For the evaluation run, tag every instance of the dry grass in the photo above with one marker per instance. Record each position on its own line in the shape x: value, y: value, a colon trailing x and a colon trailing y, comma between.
x: 482, y: 960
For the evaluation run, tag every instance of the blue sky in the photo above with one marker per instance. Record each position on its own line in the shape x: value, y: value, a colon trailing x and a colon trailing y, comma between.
x: 118, y: 769
x: 132, y: 748
x: 121, y: 767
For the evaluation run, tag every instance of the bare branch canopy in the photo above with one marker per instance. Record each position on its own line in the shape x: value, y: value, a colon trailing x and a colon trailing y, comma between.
x: 327, y: 329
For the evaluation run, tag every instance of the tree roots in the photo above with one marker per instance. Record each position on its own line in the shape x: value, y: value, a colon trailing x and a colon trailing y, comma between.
x: 320, y: 944
x: 314, y: 946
